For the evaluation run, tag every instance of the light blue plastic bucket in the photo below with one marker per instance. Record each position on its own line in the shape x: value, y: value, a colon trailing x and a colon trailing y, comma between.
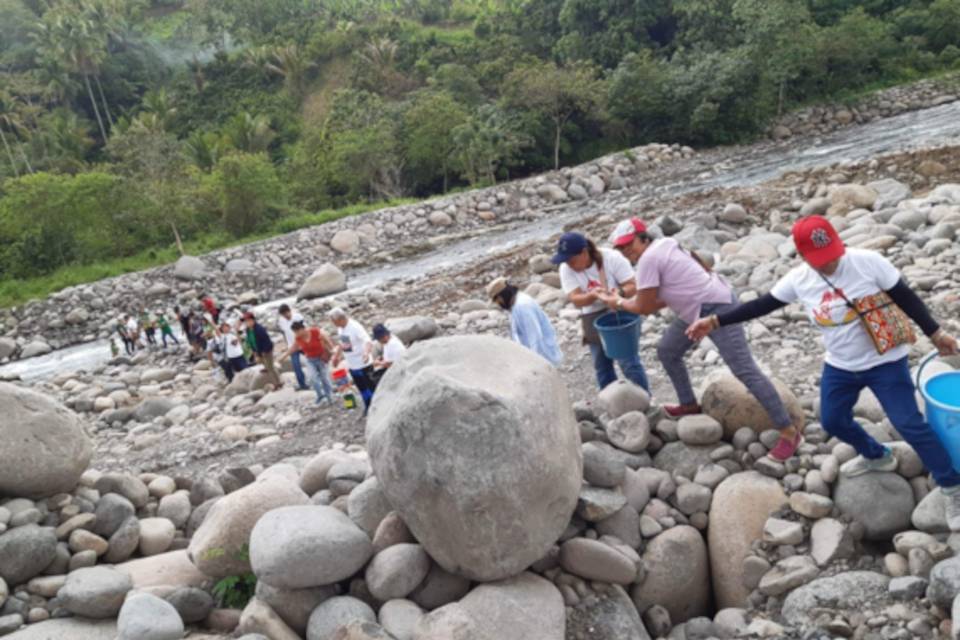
x: 941, y: 394
x: 619, y: 333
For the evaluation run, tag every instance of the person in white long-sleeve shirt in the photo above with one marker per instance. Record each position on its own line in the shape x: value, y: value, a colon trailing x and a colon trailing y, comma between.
x: 529, y: 325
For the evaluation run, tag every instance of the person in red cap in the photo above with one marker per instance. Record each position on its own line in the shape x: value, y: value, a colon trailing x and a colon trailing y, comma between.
x: 668, y: 276
x: 827, y: 284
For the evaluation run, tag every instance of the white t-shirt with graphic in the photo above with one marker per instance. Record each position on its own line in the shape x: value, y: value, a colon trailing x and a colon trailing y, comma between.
x: 860, y: 273
x: 615, y: 267
x: 353, y: 341
x: 285, y: 327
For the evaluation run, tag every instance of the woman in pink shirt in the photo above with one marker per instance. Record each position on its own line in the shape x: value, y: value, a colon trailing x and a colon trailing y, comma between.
x: 668, y: 276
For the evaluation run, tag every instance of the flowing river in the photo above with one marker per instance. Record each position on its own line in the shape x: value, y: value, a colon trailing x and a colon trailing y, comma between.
x: 735, y: 167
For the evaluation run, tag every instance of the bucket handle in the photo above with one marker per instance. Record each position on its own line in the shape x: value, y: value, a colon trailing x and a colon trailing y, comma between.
x: 927, y: 359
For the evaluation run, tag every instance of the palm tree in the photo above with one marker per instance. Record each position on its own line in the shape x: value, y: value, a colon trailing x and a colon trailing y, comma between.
x: 291, y: 63
x: 6, y: 114
x: 160, y: 106
x: 249, y: 133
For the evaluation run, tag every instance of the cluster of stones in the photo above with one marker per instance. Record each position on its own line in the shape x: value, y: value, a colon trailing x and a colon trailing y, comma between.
x: 271, y: 269
x: 882, y: 104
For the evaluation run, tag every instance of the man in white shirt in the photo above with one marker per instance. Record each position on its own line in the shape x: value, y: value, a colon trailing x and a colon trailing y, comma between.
x: 354, y: 346
x: 393, y: 347
x: 285, y: 319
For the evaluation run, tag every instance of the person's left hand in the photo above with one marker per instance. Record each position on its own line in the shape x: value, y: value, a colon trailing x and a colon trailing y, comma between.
x: 609, y: 298
x: 946, y: 344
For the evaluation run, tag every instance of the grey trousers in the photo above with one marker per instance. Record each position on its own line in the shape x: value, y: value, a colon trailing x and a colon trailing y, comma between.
x: 731, y: 342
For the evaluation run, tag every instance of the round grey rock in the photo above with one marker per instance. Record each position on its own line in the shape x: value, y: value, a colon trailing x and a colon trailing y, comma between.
x: 95, y: 592
x: 147, y: 617
x: 336, y: 612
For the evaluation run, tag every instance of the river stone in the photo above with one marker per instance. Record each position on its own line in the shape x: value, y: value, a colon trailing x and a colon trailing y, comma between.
x: 297, y: 547
x: 630, y: 432
x: 189, y: 268
x: 193, y: 605
x: 678, y: 576
x: 8, y: 347
x: 930, y: 514
x: 294, y: 606
x: 474, y: 442
x: 152, y: 408
x: 728, y: 401
x: 440, y: 588
x: 124, y: 542
x: 501, y: 610
x: 25, y: 552
x: 111, y: 512
x: 857, y: 498
x: 368, y: 506
x: 890, y: 193
x: 44, y: 446
x: 95, y: 592
x: 594, y: 560
x: 699, y: 430
x: 682, y: 459
x: 851, y: 591
x: 608, y: 615
x: 622, y: 397
x: 413, y: 328
x: 856, y: 196
x: 326, y: 280
x: 259, y: 617
x: 944, y: 582
x: 147, y: 617
x: 361, y: 630
x: 35, y: 348
x: 336, y: 612
x: 345, y: 241
x: 741, y: 505
x: 156, y: 536
x: 69, y: 629
x: 396, y: 571
x: 217, y: 546
x: 400, y: 617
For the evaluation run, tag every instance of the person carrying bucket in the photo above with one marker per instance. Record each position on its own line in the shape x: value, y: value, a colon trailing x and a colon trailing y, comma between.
x: 586, y: 274
x: 668, y: 276
x: 860, y: 303
x: 529, y: 325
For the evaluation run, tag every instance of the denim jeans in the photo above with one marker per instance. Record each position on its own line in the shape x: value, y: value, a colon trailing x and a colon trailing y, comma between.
x: 170, y: 335
x: 731, y: 342
x: 361, y: 378
x: 320, y: 379
x: 893, y: 386
x: 632, y: 369
x: 298, y: 369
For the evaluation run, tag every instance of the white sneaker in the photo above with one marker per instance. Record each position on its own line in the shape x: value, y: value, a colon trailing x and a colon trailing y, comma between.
x: 860, y: 465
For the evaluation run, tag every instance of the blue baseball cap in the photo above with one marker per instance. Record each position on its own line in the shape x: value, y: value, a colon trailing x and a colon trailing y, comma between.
x: 380, y: 331
x: 570, y: 245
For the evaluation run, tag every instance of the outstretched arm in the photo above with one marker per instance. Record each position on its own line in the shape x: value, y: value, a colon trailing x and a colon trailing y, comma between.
x: 762, y: 306
x: 914, y: 307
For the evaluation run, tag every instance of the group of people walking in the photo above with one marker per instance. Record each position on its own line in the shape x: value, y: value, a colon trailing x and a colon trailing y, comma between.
x: 856, y: 297
x: 236, y: 345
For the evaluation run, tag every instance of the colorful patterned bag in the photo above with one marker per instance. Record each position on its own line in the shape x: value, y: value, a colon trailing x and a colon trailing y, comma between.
x: 885, y: 322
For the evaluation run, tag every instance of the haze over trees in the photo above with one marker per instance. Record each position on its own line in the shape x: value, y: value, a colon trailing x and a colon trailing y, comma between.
x: 137, y: 126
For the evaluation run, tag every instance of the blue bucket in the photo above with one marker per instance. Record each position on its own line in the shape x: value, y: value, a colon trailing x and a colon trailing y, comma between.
x: 619, y: 333
x: 941, y: 393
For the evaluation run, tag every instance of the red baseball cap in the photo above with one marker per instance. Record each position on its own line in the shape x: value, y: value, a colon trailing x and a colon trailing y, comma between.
x: 817, y: 241
x: 626, y: 231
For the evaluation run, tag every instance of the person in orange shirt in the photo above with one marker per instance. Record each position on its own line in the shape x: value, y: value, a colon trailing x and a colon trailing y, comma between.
x: 317, y: 349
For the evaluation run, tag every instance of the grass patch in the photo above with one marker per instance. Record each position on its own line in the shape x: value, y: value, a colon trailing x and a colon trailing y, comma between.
x: 16, y: 292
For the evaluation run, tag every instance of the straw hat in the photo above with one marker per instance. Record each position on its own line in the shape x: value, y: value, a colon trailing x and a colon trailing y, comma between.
x: 496, y: 287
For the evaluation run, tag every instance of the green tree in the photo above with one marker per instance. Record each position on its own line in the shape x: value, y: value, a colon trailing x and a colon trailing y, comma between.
x: 290, y: 63
x: 943, y: 25
x: 556, y: 93
x: 427, y: 135
x: 250, y: 192
x: 639, y: 96
x: 487, y: 142
x: 249, y: 133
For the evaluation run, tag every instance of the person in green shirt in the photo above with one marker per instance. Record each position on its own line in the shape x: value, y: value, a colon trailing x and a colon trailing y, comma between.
x: 165, y: 330
x: 149, y: 327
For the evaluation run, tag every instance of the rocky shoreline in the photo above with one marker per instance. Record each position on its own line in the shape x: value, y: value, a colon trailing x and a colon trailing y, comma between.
x: 634, y: 526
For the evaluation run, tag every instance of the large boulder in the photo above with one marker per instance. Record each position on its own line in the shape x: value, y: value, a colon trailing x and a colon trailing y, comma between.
x: 69, y: 629
x: 189, y: 268
x: 307, y: 546
x: 8, y: 347
x: 336, y: 612
x: 852, y: 196
x: 890, y: 193
x: 44, y: 446
x: 474, y: 442
x: 413, y: 328
x: 35, y: 348
x: 326, y: 280
x: 218, y: 546
x: 858, y: 497
x: 345, y: 241
x: 741, y: 505
x: 678, y: 575
x: 728, y: 401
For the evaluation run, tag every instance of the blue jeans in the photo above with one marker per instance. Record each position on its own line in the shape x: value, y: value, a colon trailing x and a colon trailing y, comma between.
x: 364, y: 384
x: 632, y: 369
x: 893, y: 386
x: 320, y: 379
x: 298, y: 369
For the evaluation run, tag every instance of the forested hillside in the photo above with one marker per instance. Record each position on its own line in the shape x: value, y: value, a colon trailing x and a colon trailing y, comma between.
x: 128, y: 126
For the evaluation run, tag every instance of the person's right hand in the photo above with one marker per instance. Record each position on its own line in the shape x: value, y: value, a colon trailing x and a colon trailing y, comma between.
x: 946, y: 344
x: 700, y: 329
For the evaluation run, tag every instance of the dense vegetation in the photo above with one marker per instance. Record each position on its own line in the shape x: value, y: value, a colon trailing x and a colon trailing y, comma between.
x: 130, y: 127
